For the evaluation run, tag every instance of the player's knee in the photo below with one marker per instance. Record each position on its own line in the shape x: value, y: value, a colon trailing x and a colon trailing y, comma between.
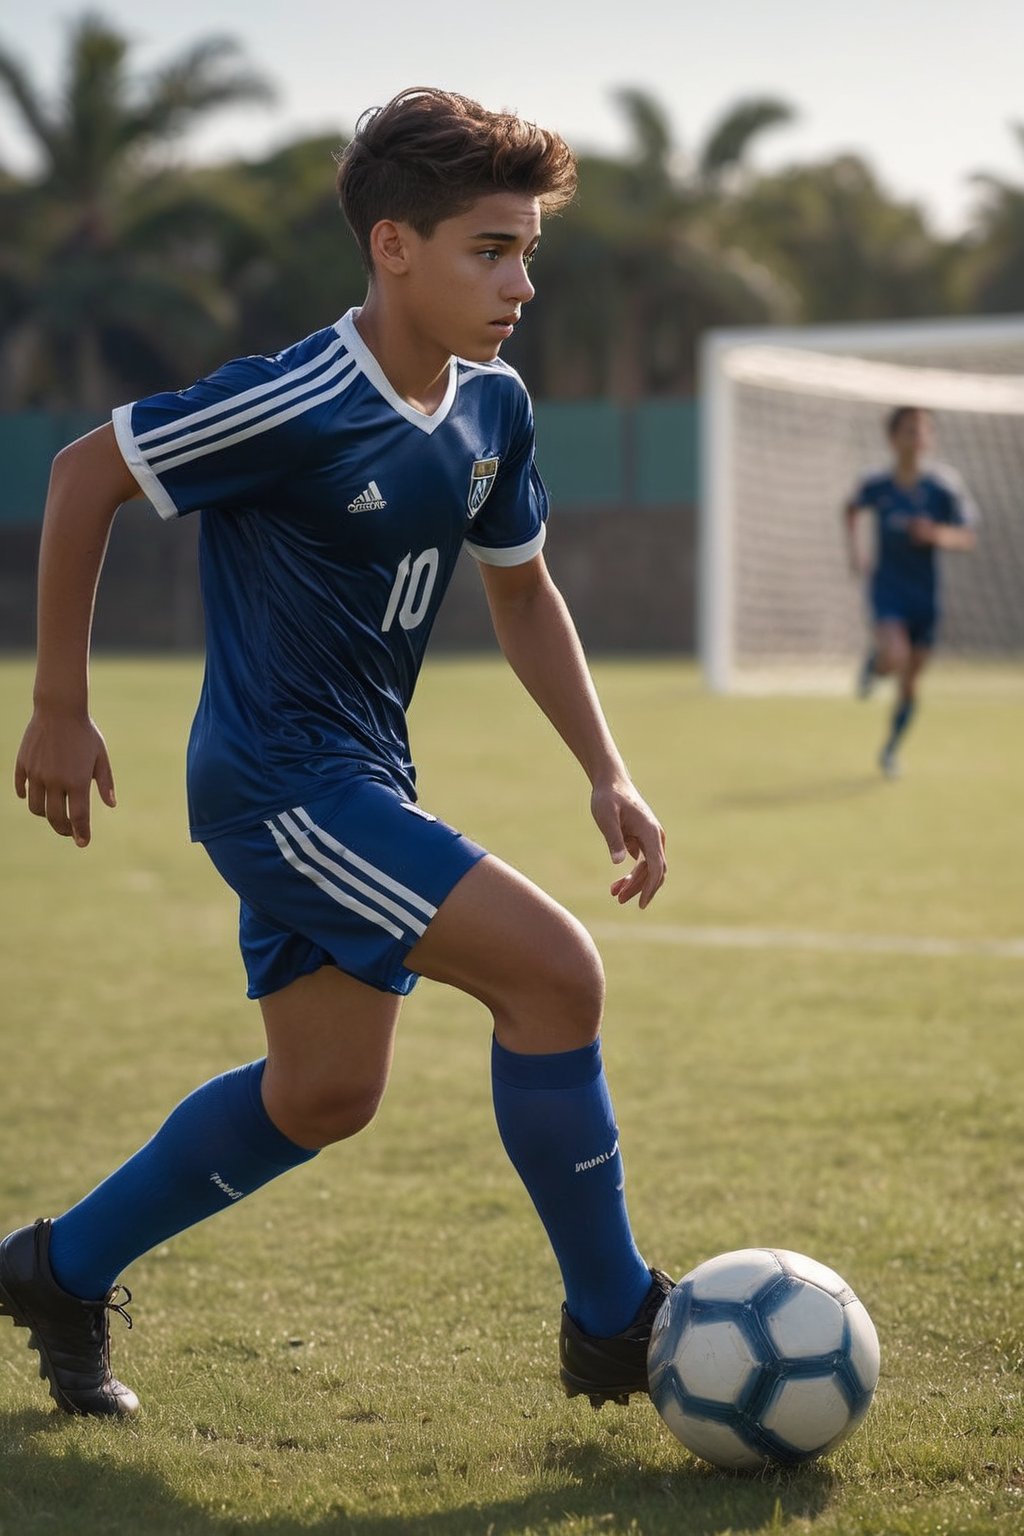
x: 559, y: 1000
x: 321, y: 1112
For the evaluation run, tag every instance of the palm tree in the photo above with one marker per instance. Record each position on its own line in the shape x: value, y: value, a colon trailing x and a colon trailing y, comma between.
x: 635, y: 270
x: 843, y: 246
x: 110, y: 280
x: 994, y: 265
x: 310, y: 270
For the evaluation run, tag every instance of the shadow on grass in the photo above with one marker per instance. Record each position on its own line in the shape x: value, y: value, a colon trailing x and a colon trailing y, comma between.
x: 72, y: 1493
x: 820, y: 791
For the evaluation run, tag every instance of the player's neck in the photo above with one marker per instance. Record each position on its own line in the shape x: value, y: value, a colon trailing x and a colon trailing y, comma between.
x: 907, y: 471
x: 415, y: 367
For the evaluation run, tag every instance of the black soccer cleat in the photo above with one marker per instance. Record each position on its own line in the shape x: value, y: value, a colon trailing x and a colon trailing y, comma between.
x: 71, y: 1335
x: 609, y: 1370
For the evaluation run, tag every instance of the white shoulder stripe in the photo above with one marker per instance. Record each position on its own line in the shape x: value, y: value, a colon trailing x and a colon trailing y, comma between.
x: 258, y: 391
x: 156, y: 455
x: 260, y: 426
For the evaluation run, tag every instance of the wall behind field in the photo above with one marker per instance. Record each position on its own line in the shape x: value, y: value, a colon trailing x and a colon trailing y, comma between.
x: 621, y: 541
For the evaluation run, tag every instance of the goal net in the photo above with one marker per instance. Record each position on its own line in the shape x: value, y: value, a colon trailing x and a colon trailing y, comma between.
x: 791, y: 420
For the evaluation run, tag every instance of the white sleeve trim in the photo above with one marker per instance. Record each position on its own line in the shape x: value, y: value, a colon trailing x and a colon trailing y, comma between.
x: 517, y: 555
x: 150, y: 486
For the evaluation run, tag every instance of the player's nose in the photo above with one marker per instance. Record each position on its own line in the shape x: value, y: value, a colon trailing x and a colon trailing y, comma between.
x: 520, y: 290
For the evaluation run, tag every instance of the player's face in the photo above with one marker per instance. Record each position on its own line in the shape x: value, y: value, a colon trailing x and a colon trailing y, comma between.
x: 468, y: 281
x: 913, y: 436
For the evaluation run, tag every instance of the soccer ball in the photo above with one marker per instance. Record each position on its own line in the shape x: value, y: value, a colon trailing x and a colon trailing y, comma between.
x: 762, y: 1355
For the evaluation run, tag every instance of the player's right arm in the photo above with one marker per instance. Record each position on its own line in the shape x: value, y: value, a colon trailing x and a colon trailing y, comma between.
x: 62, y: 751
x: 856, y: 504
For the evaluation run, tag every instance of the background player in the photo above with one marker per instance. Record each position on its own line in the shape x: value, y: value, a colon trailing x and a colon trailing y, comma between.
x: 339, y: 480
x: 918, y: 509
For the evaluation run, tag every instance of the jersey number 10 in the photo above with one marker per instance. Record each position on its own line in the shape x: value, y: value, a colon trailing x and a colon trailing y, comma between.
x: 411, y: 590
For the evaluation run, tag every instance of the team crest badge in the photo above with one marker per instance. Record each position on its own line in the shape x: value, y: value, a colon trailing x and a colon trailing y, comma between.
x: 481, y: 479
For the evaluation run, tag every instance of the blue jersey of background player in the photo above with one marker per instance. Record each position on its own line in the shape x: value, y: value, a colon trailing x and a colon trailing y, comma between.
x: 337, y: 482
x: 918, y: 508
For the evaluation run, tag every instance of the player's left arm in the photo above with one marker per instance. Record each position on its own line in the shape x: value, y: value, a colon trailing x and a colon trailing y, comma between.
x: 539, y: 640
x: 956, y: 523
x: 923, y: 530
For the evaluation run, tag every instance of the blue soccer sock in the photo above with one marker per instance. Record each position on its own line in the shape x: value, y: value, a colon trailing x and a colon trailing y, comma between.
x: 557, y: 1124
x: 218, y: 1145
x: 901, y: 718
x: 868, y: 673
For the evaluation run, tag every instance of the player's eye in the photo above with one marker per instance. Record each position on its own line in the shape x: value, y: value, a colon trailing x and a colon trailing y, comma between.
x: 491, y: 253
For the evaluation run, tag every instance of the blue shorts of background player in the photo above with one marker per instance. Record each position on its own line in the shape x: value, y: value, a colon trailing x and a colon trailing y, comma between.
x: 920, y: 623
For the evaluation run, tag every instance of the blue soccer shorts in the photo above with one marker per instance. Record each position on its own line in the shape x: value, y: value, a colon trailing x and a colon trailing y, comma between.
x: 349, y: 879
x: 920, y: 624
x: 919, y: 619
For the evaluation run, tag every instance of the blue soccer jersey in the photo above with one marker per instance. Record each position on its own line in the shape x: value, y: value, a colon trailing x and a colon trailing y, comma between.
x: 332, y: 516
x: 905, y: 578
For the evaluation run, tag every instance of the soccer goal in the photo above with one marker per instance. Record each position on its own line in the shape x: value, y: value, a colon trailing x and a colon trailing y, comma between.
x: 790, y: 419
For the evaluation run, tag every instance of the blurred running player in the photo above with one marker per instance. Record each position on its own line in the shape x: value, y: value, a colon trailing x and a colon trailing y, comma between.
x: 919, y: 507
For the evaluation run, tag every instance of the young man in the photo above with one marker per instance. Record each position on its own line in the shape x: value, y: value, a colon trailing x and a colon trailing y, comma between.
x: 338, y: 482
x: 917, y: 511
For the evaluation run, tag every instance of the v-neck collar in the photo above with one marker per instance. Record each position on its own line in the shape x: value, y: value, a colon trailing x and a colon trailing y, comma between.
x: 368, y: 364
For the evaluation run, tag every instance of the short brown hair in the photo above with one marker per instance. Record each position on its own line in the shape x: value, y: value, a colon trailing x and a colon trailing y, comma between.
x: 898, y: 415
x: 429, y: 154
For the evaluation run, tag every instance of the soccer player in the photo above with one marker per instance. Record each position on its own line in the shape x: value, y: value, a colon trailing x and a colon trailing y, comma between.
x: 337, y: 482
x: 919, y: 508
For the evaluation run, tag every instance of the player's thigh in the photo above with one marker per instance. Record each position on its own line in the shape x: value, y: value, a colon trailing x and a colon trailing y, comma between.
x: 500, y: 938
x: 892, y: 644
x: 920, y: 655
x: 330, y: 1039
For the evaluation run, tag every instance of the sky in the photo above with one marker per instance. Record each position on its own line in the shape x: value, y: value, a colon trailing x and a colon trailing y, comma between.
x: 926, y: 90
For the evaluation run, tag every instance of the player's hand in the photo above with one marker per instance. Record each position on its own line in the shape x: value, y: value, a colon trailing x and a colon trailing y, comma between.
x: 59, y: 758
x: 922, y: 530
x: 631, y: 830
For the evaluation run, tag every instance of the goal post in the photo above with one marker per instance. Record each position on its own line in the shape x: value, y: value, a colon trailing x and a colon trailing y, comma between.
x: 791, y: 418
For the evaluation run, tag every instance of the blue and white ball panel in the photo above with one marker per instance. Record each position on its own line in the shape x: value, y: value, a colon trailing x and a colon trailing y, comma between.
x: 351, y: 880
x: 762, y: 1354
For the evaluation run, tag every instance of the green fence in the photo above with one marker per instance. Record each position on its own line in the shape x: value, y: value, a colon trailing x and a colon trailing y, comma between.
x: 591, y: 454
x: 28, y: 442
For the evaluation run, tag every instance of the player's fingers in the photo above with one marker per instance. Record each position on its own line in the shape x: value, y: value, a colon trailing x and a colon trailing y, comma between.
x: 655, y: 864
x: 611, y: 830
x: 36, y: 796
x: 628, y: 885
x: 104, y: 776
x: 57, y: 812
x: 78, y: 816
x: 20, y: 779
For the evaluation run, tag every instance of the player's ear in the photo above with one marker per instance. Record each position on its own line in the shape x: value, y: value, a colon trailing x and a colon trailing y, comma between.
x: 389, y: 246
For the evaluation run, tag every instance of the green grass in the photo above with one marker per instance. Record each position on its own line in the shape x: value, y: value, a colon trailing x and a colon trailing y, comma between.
x: 368, y: 1346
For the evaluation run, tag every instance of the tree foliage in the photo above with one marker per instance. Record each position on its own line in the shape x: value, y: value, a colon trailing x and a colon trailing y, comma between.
x: 124, y: 270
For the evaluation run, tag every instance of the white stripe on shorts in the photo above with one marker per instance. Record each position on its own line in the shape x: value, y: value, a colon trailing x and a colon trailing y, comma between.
x: 409, y: 897
x: 298, y: 848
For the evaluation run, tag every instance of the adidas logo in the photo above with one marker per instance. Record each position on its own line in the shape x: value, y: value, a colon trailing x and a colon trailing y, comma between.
x: 369, y: 500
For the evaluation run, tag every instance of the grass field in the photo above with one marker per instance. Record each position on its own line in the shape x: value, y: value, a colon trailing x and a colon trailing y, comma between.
x: 814, y: 1038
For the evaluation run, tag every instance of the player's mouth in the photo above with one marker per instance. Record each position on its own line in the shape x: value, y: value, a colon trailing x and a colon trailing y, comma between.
x: 506, y: 325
